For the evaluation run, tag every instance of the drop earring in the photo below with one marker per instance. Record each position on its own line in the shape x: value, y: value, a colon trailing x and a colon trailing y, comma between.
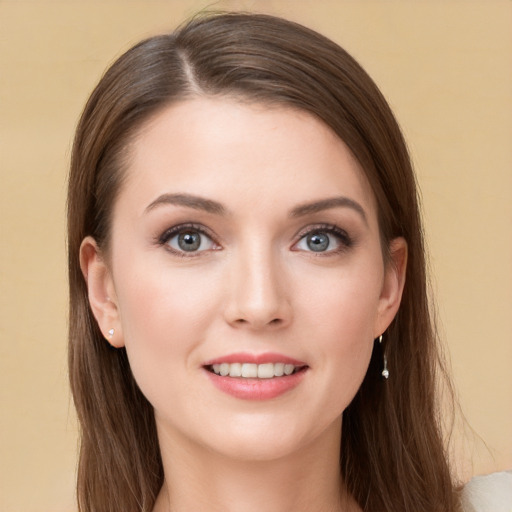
x: 385, y: 371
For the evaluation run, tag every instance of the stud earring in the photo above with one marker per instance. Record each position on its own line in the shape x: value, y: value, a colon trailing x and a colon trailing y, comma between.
x: 111, y: 333
x: 385, y: 371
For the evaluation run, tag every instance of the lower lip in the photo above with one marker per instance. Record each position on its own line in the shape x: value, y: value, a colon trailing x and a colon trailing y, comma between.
x: 256, y: 389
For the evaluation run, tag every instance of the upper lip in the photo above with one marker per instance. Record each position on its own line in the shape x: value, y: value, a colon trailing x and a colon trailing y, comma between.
x: 244, y: 357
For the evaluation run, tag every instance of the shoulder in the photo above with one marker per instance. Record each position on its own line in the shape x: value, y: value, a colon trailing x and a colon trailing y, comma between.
x: 489, y: 493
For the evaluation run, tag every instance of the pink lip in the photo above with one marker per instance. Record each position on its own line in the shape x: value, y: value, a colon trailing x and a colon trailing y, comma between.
x: 256, y: 389
x: 243, y: 357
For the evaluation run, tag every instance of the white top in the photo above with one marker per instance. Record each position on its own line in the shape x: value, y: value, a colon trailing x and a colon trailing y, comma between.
x: 489, y: 493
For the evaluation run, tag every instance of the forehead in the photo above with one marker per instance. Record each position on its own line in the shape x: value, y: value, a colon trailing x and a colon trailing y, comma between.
x: 229, y: 150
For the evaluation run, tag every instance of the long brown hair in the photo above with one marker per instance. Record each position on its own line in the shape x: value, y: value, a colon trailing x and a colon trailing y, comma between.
x: 392, y: 455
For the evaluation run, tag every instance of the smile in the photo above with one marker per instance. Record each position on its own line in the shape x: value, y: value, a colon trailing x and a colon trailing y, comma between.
x: 254, y: 371
x: 250, y: 376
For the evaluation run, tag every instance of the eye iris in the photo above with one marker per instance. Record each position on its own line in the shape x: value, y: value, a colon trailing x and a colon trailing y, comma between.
x: 318, y: 242
x: 189, y: 241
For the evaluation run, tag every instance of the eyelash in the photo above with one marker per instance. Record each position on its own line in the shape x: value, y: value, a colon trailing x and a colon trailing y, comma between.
x: 170, y: 233
x: 346, y: 242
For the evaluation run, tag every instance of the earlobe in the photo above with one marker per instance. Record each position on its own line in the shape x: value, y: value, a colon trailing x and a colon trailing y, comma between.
x: 393, y: 285
x: 101, y: 291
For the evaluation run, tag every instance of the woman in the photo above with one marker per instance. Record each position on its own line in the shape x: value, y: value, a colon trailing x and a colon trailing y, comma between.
x: 244, y: 232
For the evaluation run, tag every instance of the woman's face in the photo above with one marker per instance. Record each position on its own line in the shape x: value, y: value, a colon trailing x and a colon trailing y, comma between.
x: 245, y: 246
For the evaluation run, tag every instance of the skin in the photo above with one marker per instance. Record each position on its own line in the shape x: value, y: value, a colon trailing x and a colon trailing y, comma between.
x: 254, y: 286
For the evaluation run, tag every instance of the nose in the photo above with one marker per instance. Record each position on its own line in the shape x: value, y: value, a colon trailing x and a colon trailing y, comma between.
x: 258, y: 295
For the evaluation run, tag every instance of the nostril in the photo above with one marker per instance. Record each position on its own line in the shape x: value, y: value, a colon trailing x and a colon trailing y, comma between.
x: 274, y: 323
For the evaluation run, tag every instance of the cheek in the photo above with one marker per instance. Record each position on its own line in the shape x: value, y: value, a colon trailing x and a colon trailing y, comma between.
x: 162, y: 301
x: 340, y: 324
x: 163, y: 320
x: 345, y: 304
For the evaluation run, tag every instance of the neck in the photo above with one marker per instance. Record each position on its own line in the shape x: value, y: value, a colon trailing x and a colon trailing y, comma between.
x: 304, y: 481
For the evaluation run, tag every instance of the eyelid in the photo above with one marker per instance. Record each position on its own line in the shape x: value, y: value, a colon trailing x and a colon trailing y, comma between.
x: 346, y: 241
x: 171, y: 232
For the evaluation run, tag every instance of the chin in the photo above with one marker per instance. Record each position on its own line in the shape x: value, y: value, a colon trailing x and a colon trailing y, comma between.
x: 257, y: 449
x: 269, y: 438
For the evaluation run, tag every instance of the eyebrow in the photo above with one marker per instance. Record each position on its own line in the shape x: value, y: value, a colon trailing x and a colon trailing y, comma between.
x: 327, y: 204
x: 188, y: 200
x: 216, y: 208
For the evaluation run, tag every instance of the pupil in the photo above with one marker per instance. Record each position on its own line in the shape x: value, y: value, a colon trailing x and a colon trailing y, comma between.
x: 189, y: 241
x: 318, y: 242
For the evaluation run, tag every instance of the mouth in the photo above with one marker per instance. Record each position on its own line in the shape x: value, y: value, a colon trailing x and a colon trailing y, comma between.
x: 260, y: 377
x: 246, y: 370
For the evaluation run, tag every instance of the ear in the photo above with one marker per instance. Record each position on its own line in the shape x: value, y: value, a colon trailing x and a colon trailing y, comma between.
x: 101, y: 291
x: 393, y: 285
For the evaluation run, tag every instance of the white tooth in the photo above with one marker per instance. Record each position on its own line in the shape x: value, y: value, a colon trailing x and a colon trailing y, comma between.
x: 235, y: 370
x: 224, y: 369
x: 265, y: 371
x: 279, y: 369
x: 216, y: 368
x: 288, y: 369
x: 249, y: 370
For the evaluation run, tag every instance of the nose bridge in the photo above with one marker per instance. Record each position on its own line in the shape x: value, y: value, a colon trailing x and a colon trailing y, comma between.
x: 258, y: 292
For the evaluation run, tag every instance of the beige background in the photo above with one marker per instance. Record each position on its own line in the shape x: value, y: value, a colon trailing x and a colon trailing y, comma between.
x: 446, y: 68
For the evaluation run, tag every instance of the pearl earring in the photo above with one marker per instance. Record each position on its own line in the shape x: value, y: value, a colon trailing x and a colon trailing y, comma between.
x: 111, y: 333
x: 385, y: 371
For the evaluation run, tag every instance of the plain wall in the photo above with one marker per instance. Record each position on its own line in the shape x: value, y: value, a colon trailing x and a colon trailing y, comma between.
x: 445, y: 67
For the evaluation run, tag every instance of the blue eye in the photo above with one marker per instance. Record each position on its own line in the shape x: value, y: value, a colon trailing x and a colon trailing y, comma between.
x: 185, y: 239
x: 324, y: 239
x: 318, y: 242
